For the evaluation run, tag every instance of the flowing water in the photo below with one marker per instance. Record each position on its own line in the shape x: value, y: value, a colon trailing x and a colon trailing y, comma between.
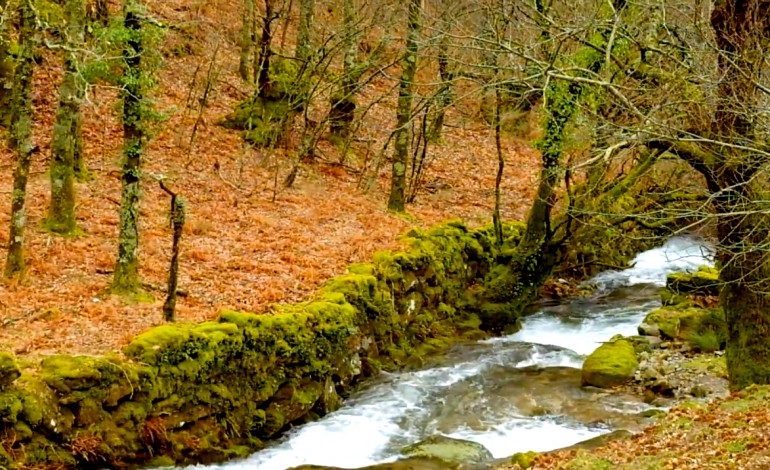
x: 516, y: 393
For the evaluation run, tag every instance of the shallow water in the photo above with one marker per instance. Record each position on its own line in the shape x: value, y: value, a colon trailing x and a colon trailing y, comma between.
x: 516, y: 393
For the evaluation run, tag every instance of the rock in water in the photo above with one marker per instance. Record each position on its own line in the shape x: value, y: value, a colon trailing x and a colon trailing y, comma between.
x: 613, y: 363
x: 449, y: 450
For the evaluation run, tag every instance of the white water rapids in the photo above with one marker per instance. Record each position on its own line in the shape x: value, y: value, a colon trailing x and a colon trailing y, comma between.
x: 485, y: 392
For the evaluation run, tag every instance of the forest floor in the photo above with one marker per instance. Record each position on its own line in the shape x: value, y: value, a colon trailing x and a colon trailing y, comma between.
x: 248, y: 242
x: 730, y: 433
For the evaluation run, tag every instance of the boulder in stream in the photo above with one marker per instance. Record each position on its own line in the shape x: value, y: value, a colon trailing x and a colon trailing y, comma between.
x: 613, y: 363
x: 450, y: 450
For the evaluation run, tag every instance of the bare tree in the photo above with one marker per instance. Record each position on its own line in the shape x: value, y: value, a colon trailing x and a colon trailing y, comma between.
x: 66, y: 131
x: 20, y: 138
x: 397, y: 198
x: 126, y: 277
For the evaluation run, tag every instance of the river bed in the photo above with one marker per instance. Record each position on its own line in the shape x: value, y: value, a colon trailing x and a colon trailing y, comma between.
x: 516, y: 393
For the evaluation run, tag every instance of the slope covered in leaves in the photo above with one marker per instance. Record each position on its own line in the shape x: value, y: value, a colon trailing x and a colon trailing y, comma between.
x: 247, y: 242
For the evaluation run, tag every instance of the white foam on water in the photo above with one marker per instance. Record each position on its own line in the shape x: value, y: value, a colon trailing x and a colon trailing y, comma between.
x: 679, y: 254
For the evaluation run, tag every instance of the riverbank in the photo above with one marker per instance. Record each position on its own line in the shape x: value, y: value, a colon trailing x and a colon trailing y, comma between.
x: 726, y: 433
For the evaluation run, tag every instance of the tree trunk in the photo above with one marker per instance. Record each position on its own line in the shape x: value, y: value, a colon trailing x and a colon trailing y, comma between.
x: 61, y: 214
x: 247, y: 39
x: 304, y: 40
x: 6, y: 69
x: 126, y: 277
x: 21, y: 139
x: 741, y: 28
x: 262, y: 60
x: 177, y: 216
x: 446, y: 76
x: 343, y: 101
x: 396, y: 201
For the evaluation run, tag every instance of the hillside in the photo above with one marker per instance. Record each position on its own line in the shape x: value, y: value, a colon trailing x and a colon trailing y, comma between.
x: 247, y: 242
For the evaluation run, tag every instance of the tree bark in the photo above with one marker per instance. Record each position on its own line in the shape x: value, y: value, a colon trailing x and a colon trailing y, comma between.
x: 61, y: 213
x: 397, y: 199
x: 177, y: 216
x: 126, y: 277
x: 343, y: 103
x: 741, y: 28
x: 6, y: 68
x: 304, y: 40
x: 247, y: 39
x: 21, y: 139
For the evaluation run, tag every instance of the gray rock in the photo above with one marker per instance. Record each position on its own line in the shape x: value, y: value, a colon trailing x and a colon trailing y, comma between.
x: 645, y: 329
x: 450, y: 450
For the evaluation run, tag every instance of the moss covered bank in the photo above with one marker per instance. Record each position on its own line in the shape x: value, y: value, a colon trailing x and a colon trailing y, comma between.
x: 183, y: 393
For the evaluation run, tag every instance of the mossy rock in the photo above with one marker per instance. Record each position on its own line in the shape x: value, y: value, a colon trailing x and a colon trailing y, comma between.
x: 675, y: 322
x: 450, y: 450
x: 703, y: 282
x: 9, y: 369
x: 599, y: 441
x: 613, y: 363
x: 523, y: 459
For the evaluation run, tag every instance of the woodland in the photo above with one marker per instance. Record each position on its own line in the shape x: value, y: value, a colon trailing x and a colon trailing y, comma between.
x: 167, y: 160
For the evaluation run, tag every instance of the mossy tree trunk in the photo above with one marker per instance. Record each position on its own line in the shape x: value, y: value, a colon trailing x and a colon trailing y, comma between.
x: 262, y: 60
x: 742, y: 29
x: 66, y: 132
x: 20, y: 138
x: 304, y: 40
x: 397, y: 198
x: 6, y: 66
x: 343, y: 102
x: 247, y: 39
x: 126, y: 276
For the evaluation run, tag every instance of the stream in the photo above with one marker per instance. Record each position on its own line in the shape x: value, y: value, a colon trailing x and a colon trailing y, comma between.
x: 516, y: 393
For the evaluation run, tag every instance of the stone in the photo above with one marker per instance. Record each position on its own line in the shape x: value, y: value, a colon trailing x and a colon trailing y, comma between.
x: 9, y: 370
x: 450, y: 450
x: 599, y: 441
x: 612, y: 363
x: 645, y: 329
x: 703, y: 282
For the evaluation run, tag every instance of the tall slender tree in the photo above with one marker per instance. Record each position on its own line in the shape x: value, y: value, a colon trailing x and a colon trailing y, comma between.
x: 66, y: 131
x: 248, y: 31
x: 20, y: 138
x: 126, y: 277
x: 6, y: 65
x: 304, y: 39
x: 397, y: 198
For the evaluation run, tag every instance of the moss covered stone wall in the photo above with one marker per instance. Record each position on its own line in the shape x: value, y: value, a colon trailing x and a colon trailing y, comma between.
x: 204, y: 392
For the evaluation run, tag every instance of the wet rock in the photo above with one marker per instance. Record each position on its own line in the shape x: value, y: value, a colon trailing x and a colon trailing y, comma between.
x: 405, y: 464
x: 599, y: 441
x: 613, y: 363
x: 663, y: 388
x: 652, y: 413
x: 645, y: 329
x: 699, y: 391
x: 449, y: 450
x: 703, y: 282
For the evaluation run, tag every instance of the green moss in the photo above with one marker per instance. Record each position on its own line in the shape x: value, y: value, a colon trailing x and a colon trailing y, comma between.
x: 611, y: 364
x: 9, y: 370
x: 678, y: 323
x: 10, y: 407
x: 523, y: 459
x: 704, y: 281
